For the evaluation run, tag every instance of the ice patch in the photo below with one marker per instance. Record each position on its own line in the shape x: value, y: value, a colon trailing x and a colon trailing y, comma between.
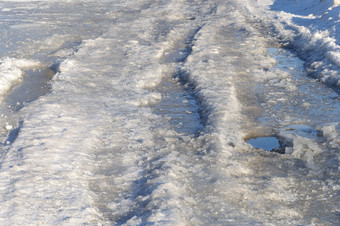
x: 34, y: 84
x: 12, y: 72
x: 179, y: 105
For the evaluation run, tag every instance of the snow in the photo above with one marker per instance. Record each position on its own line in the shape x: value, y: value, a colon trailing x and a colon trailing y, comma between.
x: 312, y: 28
x: 147, y: 114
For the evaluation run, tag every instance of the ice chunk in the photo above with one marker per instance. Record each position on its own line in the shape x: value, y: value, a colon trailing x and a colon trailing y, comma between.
x: 306, y: 149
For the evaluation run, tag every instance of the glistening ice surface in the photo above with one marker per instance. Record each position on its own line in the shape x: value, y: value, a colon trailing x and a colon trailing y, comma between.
x: 139, y: 112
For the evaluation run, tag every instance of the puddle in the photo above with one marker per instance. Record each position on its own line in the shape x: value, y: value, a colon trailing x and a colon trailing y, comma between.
x: 266, y: 143
x: 34, y: 85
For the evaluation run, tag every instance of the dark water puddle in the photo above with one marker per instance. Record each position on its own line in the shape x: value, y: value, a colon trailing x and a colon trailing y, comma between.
x: 265, y: 143
x: 34, y: 85
x: 268, y: 143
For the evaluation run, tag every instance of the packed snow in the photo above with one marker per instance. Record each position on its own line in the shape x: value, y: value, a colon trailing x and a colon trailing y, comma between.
x: 144, y: 112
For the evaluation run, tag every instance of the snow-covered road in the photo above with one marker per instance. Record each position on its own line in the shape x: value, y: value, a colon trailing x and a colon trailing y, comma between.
x: 144, y: 112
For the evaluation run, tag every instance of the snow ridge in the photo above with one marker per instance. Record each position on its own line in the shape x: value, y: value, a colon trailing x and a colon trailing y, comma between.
x: 310, y: 27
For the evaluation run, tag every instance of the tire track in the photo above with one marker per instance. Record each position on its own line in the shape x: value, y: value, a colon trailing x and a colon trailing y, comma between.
x: 148, y: 177
x: 154, y: 181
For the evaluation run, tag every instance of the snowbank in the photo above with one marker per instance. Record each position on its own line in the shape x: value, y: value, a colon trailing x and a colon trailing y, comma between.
x: 311, y: 27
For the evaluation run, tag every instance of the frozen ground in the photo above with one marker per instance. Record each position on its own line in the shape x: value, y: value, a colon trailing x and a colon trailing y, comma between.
x: 139, y: 112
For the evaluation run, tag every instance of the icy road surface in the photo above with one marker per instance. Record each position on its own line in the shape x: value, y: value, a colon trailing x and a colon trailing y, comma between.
x: 144, y: 112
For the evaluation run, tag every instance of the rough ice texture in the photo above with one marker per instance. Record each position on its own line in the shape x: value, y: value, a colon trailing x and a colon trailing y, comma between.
x: 93, y: 152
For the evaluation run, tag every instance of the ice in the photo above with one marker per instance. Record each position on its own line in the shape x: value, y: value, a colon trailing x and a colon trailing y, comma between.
x: 11, y: 72
x: 149, y: 105
x: 179, y: 104
x: 305, y: 149
x: 35, y: 83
